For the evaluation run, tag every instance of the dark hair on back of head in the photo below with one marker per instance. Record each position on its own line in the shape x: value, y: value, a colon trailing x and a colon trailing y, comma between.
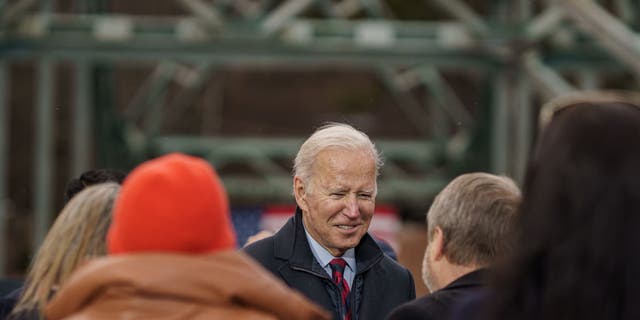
x: 92, y: 177
x: 576, y: 251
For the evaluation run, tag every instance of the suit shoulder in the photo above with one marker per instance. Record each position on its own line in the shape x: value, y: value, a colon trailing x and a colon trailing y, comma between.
x: 392, y: 271
x: 417, y: 309
x: 394, y: 267
x: 261, y: 250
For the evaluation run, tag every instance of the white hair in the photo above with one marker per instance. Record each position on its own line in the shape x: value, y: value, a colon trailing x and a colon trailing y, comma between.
x: 332, y: 135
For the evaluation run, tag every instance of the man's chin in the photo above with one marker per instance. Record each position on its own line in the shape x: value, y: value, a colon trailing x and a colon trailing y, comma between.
x: 346, y: 246
x: 430, y: 283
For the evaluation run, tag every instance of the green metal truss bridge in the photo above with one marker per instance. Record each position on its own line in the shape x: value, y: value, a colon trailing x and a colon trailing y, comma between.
x: 518, y: 52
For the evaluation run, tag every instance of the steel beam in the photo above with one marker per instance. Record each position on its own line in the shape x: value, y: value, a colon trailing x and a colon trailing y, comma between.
x: 274, y: 183
x: 445, y: 95
x: 248, y: 8
x: 214, y: 102
x: 500, y: 124
x: 614, y: 35
x: 545, y: 24
x: 342, y: 9
x: 522, y: 99
x: 462, y: 12
x: 43, y: 156
x: 283, y: 14
x: 625, y: 9
x: 330, y: 43
x: 374, y: 8
x: 407, y: 103
x: 4, y: 164
x: 205, y: 13
x: 419, y: 152
x: 193, y: 82
x: 12, y: 13
x: 545, y: 80
x: 522, y: 103
x: 82, y: 119
x: 155, y: 103
x: 147, y: 99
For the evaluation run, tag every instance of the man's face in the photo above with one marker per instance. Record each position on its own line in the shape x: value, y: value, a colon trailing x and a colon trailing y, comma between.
x: 339, y: 202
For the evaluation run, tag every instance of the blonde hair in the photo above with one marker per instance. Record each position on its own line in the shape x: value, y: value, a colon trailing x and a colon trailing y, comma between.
x: 78, y: 233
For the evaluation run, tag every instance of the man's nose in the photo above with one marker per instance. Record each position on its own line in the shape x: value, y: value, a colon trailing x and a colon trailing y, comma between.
x: 351, y: 209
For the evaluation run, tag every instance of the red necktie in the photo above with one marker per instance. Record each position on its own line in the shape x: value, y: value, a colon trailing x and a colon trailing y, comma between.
x: 337, y: 267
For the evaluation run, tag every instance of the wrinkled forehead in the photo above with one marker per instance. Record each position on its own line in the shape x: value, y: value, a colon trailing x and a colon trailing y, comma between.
x: 342, y: 167
x: 341, y: 158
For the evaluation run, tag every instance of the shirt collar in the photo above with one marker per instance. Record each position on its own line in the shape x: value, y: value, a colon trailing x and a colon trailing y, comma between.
x: 324, y: 257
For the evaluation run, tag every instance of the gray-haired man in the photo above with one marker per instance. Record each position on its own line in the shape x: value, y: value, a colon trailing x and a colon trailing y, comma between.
x: 468, y: 227
x: 324, y: 251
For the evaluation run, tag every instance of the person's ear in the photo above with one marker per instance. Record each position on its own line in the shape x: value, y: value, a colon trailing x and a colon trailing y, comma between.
x: 437, y: 243
x: 300, y: 193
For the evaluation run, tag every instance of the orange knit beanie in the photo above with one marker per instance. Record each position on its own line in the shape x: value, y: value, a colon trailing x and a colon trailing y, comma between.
x: 174, y: 203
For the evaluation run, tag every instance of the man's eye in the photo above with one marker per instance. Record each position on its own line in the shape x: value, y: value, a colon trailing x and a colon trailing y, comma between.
x: 364, y: 196
x: 337, y: 194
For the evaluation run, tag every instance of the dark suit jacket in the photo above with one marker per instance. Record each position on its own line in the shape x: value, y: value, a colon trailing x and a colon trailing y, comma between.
x: 439, y: 304
x: 380, y: 284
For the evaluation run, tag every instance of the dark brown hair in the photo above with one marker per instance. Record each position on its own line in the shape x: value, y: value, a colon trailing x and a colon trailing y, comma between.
x: 578, y: 240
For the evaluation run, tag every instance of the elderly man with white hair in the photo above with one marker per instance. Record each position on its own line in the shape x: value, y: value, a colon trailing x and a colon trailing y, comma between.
x: 324, y: 250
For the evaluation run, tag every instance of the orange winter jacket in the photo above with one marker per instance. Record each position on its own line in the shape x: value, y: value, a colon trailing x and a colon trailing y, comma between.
x: 223, y: 285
